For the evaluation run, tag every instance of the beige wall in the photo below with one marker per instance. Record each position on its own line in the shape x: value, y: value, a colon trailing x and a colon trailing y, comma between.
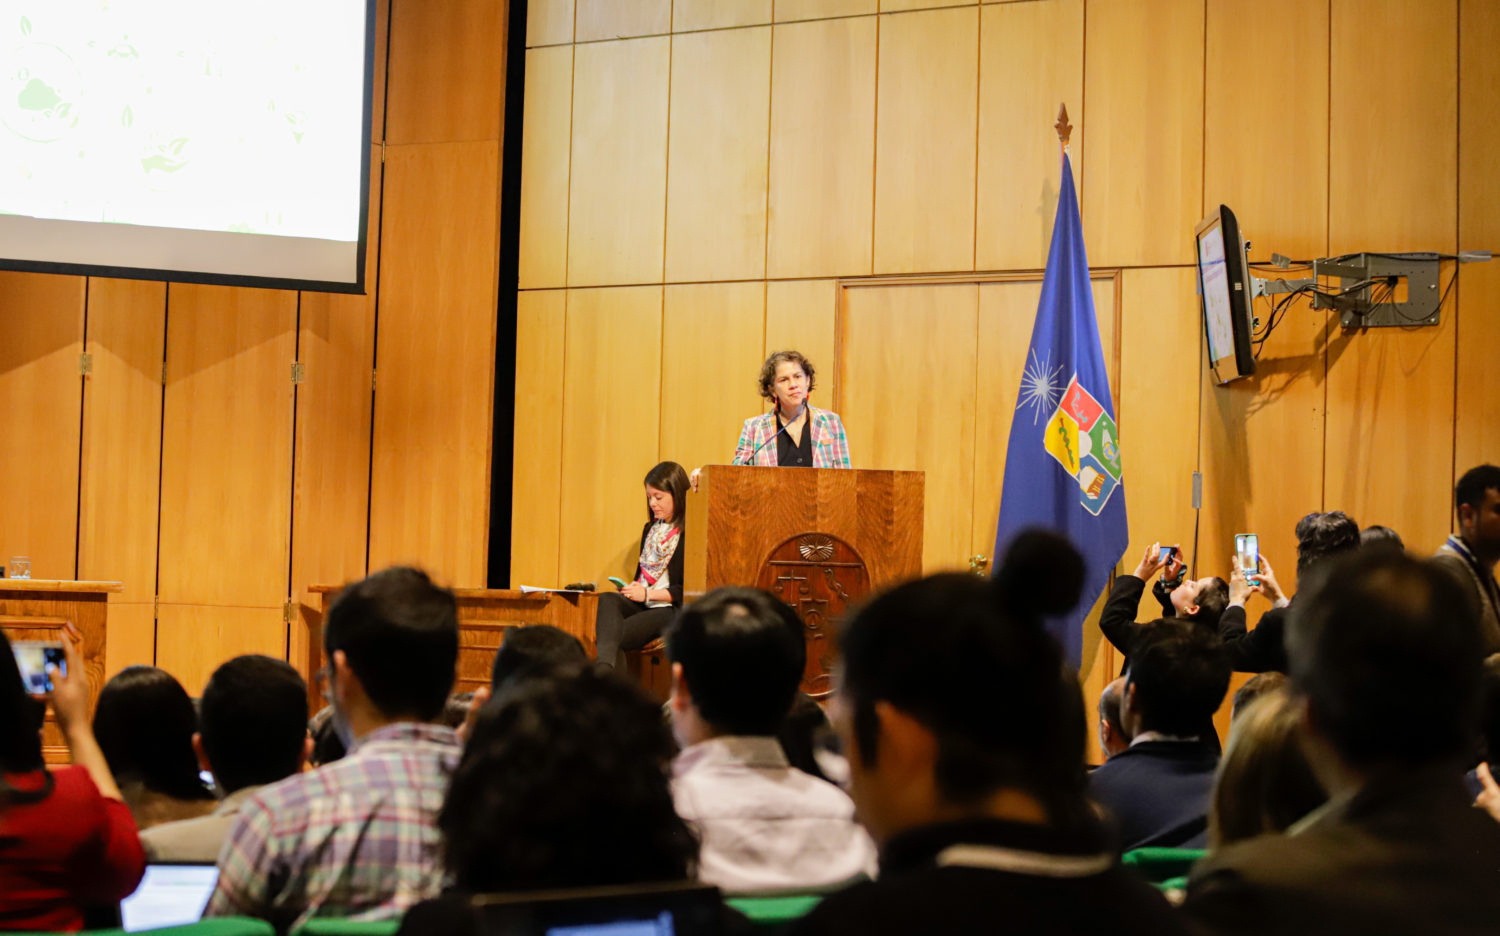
x: 707, y: 181
x: 188, y: 465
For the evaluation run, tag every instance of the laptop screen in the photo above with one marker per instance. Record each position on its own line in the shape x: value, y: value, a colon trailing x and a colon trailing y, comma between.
x: 661, y: 926
x: 681, y: 909
x: 169, y: 895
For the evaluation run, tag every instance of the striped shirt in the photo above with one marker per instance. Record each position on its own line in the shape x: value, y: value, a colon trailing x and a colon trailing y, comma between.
x: 356, y: 839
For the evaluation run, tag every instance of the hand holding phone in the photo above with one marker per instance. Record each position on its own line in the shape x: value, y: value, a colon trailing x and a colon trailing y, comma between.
x: 33, y: 657
x: 1247, y: 556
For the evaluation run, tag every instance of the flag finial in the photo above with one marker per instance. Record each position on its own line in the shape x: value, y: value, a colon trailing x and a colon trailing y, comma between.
x: 1064, y: 129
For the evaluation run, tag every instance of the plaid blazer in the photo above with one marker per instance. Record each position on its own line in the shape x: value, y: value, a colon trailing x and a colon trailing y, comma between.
x: 830, y: 447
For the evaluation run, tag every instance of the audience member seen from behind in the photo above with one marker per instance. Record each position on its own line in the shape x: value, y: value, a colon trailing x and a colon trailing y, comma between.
x: 67, y: 839
x: 563, y: 784
x: 1376, y: 536
x: 1112, y: 736
x: 253, y: 732
x: 526, y: 651
x: 1264, y: 783
x: 737, y: 658
x: 965, y: 737
x: 1158, y: 789
x: 803, y: 734
x: 145, y: 724
x: 1385, y: 661
x: 635, y: 615
x: 1470, y: 554
x: 1201, y: 601
x: 1256, y: 686
x: 358, y: 838
x: 1488, y: 753
x: 1320, y: 536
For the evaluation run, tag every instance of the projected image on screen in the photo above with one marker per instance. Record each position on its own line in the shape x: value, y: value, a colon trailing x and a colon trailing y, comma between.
x: 178, y: 135
x: 1216, y: 294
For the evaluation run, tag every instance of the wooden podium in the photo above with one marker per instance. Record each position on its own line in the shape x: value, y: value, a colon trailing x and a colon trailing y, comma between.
x: 37, y: 609
x: 818, y: 538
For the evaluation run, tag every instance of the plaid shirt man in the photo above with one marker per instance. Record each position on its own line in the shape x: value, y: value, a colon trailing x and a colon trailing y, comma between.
x: 830, y: 447
x: 355, y: 839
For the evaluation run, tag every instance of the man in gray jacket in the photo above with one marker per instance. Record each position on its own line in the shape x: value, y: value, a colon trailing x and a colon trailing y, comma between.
x: 1470, y: 554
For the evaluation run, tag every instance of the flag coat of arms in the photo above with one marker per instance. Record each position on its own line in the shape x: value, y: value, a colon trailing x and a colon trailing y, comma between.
x: 1063, y: 469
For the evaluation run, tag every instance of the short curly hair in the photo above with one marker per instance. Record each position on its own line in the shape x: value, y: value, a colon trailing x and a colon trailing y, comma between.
x: 768, y: 371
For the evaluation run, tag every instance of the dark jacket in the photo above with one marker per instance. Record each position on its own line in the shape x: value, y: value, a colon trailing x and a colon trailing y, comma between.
x: 1034, y: 879
x: 1117, y: 620
x: 1407, y: 854
x: 1255, y: 651
x: 674, y: 565
x: 1455, y: 559
x: 1158, y: 792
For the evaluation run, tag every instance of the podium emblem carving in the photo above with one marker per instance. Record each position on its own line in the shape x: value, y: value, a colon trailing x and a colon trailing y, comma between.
x: 819, y: 576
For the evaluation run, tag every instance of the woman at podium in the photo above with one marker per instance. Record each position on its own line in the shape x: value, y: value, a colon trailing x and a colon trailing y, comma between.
x: 635, y: 615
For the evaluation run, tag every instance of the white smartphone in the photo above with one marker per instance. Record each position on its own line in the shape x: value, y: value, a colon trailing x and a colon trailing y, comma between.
x: 1247, y: 553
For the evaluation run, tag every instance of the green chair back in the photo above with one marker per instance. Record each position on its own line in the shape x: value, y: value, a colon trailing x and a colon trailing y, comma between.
x: 214, y: 926
x: 770, y: 912
x: 1160, y: 864
x: 335, y: 927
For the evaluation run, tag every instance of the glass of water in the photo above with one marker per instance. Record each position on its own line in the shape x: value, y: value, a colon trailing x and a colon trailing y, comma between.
x: 20, y: 567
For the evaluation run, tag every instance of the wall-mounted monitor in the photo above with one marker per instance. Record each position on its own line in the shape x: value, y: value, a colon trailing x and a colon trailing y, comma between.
x: 1224, y: 286
x: 187, y: 140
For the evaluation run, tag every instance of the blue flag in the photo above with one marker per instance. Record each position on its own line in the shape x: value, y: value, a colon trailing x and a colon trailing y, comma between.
x: 1062, y: 464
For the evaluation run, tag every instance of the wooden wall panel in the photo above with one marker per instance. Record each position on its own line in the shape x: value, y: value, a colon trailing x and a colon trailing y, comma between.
x: 928, y: 91
x: 822, y: 148
x: 611, y: 420
x: 716, y: 161
x: 800, y: 316
x: 619, y: 19
x: 1477, y: 409
x: 227, y: 447
x: 447, y: 71
x: 1392, y: 390
x: 1279, y: 119
x: 41, y: 336
x: 193, y: 640
x: 435, y: 360
x: 616, y: 203
x: 536, y: 480
x: 547, y: 123
x: 719, y: 14
x: 908, y: 353
x: 711, y: 355
x: 377, y: 85
x: 792, y: 10
x: 1030, y: 61
x: 1143, y: 181
x: 121, y: 463
x: 549, y: 22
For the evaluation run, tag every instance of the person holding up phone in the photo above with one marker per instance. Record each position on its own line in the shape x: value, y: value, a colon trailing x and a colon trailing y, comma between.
x: 1199, y: 600
x: 67, y: 839
x: 635, y: 615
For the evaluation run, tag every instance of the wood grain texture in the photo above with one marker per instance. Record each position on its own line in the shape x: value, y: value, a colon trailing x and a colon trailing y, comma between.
x: 193, y: 640
x: 719, y: 14
x: 822, y: 148
x: 121, y: 463
x: 549, y: 22
x: 536, y: 474
x: 617, y: 198
x: 382, y: 56
x: 41, y: 336
x: 1143, y: 180
x: 611, y: 424
x: 1265, y: 142
x: 711, y: 356
x: 716, y: 178
x: 226, y: 473
x: 42, y: 615
x: 907, y: 390
x: 793, y: 10
x: 1393, y: 189
x: 130, y: 639
x: 547, y: 123
x: 926, y: 114
x: 447, y: 71
x: 435, y: 352
x: 620, y: 19
x: 1030, y: 61
x: 800, y: 315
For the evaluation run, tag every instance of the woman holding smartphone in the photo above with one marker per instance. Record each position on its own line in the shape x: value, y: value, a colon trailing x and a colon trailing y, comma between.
x: 635, y: 615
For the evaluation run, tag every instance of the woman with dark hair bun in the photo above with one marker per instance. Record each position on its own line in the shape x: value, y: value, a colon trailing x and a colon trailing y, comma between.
x: 635, y: 615
x: 145, y: 723
x: 66, y: 837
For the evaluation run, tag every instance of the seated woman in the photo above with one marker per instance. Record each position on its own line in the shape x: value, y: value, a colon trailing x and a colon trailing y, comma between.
x: 563, y: 784
x: 145, y: 724
x: 1264, y: 783
x: 66, y: 837
x: 634, y: 616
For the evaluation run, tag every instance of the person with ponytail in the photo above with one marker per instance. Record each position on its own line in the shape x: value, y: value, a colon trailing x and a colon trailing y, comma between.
x: 67, y: 839
x: 965, y: 739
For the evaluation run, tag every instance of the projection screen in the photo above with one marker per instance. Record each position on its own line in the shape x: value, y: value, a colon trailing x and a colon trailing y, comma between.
x: 187, y: 140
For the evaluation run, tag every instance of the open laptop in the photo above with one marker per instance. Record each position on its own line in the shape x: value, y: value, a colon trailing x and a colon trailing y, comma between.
x: 169, y: 895
x: 687, y: 909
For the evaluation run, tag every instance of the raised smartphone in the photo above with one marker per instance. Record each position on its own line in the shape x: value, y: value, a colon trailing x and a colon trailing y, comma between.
x: 32, y: 659
x: 1247, y: 554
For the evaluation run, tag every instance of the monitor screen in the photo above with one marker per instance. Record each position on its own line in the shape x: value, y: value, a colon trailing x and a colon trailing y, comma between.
x: 661, y: 925
x: 179, y: 139
x: 1214, y: 275
x: 169, y: 895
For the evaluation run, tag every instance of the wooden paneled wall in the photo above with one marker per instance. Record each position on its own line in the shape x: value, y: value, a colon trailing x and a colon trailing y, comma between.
x: 189, y: 466
x: 703, y: 181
